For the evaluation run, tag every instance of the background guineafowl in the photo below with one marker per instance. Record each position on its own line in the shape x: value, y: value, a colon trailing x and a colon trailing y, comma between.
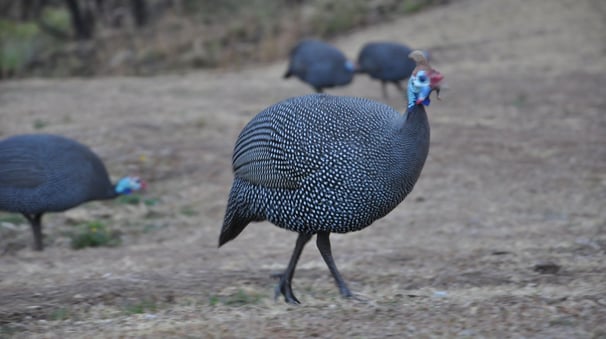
x: 387, y: 62
x: 318, y: 164
x: 42, y: 173
x: 319, y: 64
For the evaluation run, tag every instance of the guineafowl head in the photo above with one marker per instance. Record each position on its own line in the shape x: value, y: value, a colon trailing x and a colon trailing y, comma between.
x: 129, y: 184
x: 423, y: 81
x: 350, y: 66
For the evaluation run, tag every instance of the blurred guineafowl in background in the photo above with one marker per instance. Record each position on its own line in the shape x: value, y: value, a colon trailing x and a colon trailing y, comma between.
x: 387, y: 62
x: 319, y: 64
x: 42, y: 173
x: 318, y: 164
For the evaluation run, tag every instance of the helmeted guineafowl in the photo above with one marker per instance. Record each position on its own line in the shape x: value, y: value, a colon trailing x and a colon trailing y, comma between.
x: 318, y: 164
x: 42, y: 173
x: 319, y: 64
x: 386, y: 62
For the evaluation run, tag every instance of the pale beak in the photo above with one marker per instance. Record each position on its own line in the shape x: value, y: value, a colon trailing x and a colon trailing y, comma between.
x: 425, y: 91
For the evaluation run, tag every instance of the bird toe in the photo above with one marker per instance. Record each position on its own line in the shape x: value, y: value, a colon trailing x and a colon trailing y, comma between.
x: 284, y: 288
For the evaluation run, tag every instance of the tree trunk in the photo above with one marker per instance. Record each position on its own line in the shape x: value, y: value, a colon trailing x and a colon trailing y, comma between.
x: 82, y: 20
x: 139, y: 12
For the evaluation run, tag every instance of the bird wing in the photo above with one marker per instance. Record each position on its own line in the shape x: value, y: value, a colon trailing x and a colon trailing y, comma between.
x: 20, y: 169
x: 267, y: 155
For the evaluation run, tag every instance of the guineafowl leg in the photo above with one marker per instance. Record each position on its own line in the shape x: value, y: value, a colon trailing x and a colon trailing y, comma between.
x: 36, y: 223
x: 286, y: 277
x: 323, y: 242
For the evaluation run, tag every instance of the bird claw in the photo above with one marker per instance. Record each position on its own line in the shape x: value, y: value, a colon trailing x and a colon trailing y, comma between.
x: 284, y: 289
x: 288, y: 296
x: 359, y: 298
x: 345, y: 292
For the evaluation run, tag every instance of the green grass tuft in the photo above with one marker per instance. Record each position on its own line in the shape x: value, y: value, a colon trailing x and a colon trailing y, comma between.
x: 240, y: 298
x: 151, y: 201
x: 39, y: 124
x: 413, y: 6
x: 129, y: 199
x: 14, y: 219
x: 94, y: 234
x: 141, y: 306
x: 60, y: 314
x: 136, y: 199
x: 8, y: 330
x: 189, y: 211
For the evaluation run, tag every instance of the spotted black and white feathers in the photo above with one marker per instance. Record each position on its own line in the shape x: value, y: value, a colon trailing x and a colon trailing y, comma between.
x: 321, y: 164
x: 325, y: 163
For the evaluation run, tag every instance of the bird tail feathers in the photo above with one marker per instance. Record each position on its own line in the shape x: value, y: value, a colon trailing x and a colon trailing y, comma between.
x: 237, y: 217
x: 233, y: 225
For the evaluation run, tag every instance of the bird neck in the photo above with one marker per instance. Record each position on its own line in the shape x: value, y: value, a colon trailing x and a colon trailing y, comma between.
x: 413, y: 146
x: 415, y: 133
x: 415, y: 122
x: 106, y: 193
x: 111, y: 193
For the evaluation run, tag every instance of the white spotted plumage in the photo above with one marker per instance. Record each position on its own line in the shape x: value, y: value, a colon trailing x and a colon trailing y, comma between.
x: 325, y: 163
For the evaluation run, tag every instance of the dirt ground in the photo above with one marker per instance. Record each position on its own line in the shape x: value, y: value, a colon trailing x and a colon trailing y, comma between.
x: 515, y: 182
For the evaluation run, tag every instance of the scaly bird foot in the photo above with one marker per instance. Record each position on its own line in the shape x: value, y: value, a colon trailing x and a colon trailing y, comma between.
x: 345, y: 292
x: 285, y: 289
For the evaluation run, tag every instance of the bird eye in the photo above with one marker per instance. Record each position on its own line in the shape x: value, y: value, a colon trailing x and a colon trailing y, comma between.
x: 422, y: 78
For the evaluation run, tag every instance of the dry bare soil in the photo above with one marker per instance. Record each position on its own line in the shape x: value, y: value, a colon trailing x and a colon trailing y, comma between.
x: 515, y: 182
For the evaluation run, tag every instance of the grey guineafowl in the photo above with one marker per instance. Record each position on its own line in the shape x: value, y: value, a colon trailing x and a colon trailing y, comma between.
x: 318, y: 164
x: 387, y: 62
x: 319, y: 64
x: 42, y: 173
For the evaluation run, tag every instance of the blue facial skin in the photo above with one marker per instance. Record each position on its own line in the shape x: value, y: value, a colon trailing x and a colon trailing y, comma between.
x: 125, y: 186
x: 418, y: 88
x: 425, y: 91
x: 350, y: 66
x: 122, y: 187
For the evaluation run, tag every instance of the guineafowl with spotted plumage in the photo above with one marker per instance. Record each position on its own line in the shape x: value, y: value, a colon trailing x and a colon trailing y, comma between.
x: 42, y: 173
x: 320, y: 65
x: 387, y: 62
x: 321, y: 164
